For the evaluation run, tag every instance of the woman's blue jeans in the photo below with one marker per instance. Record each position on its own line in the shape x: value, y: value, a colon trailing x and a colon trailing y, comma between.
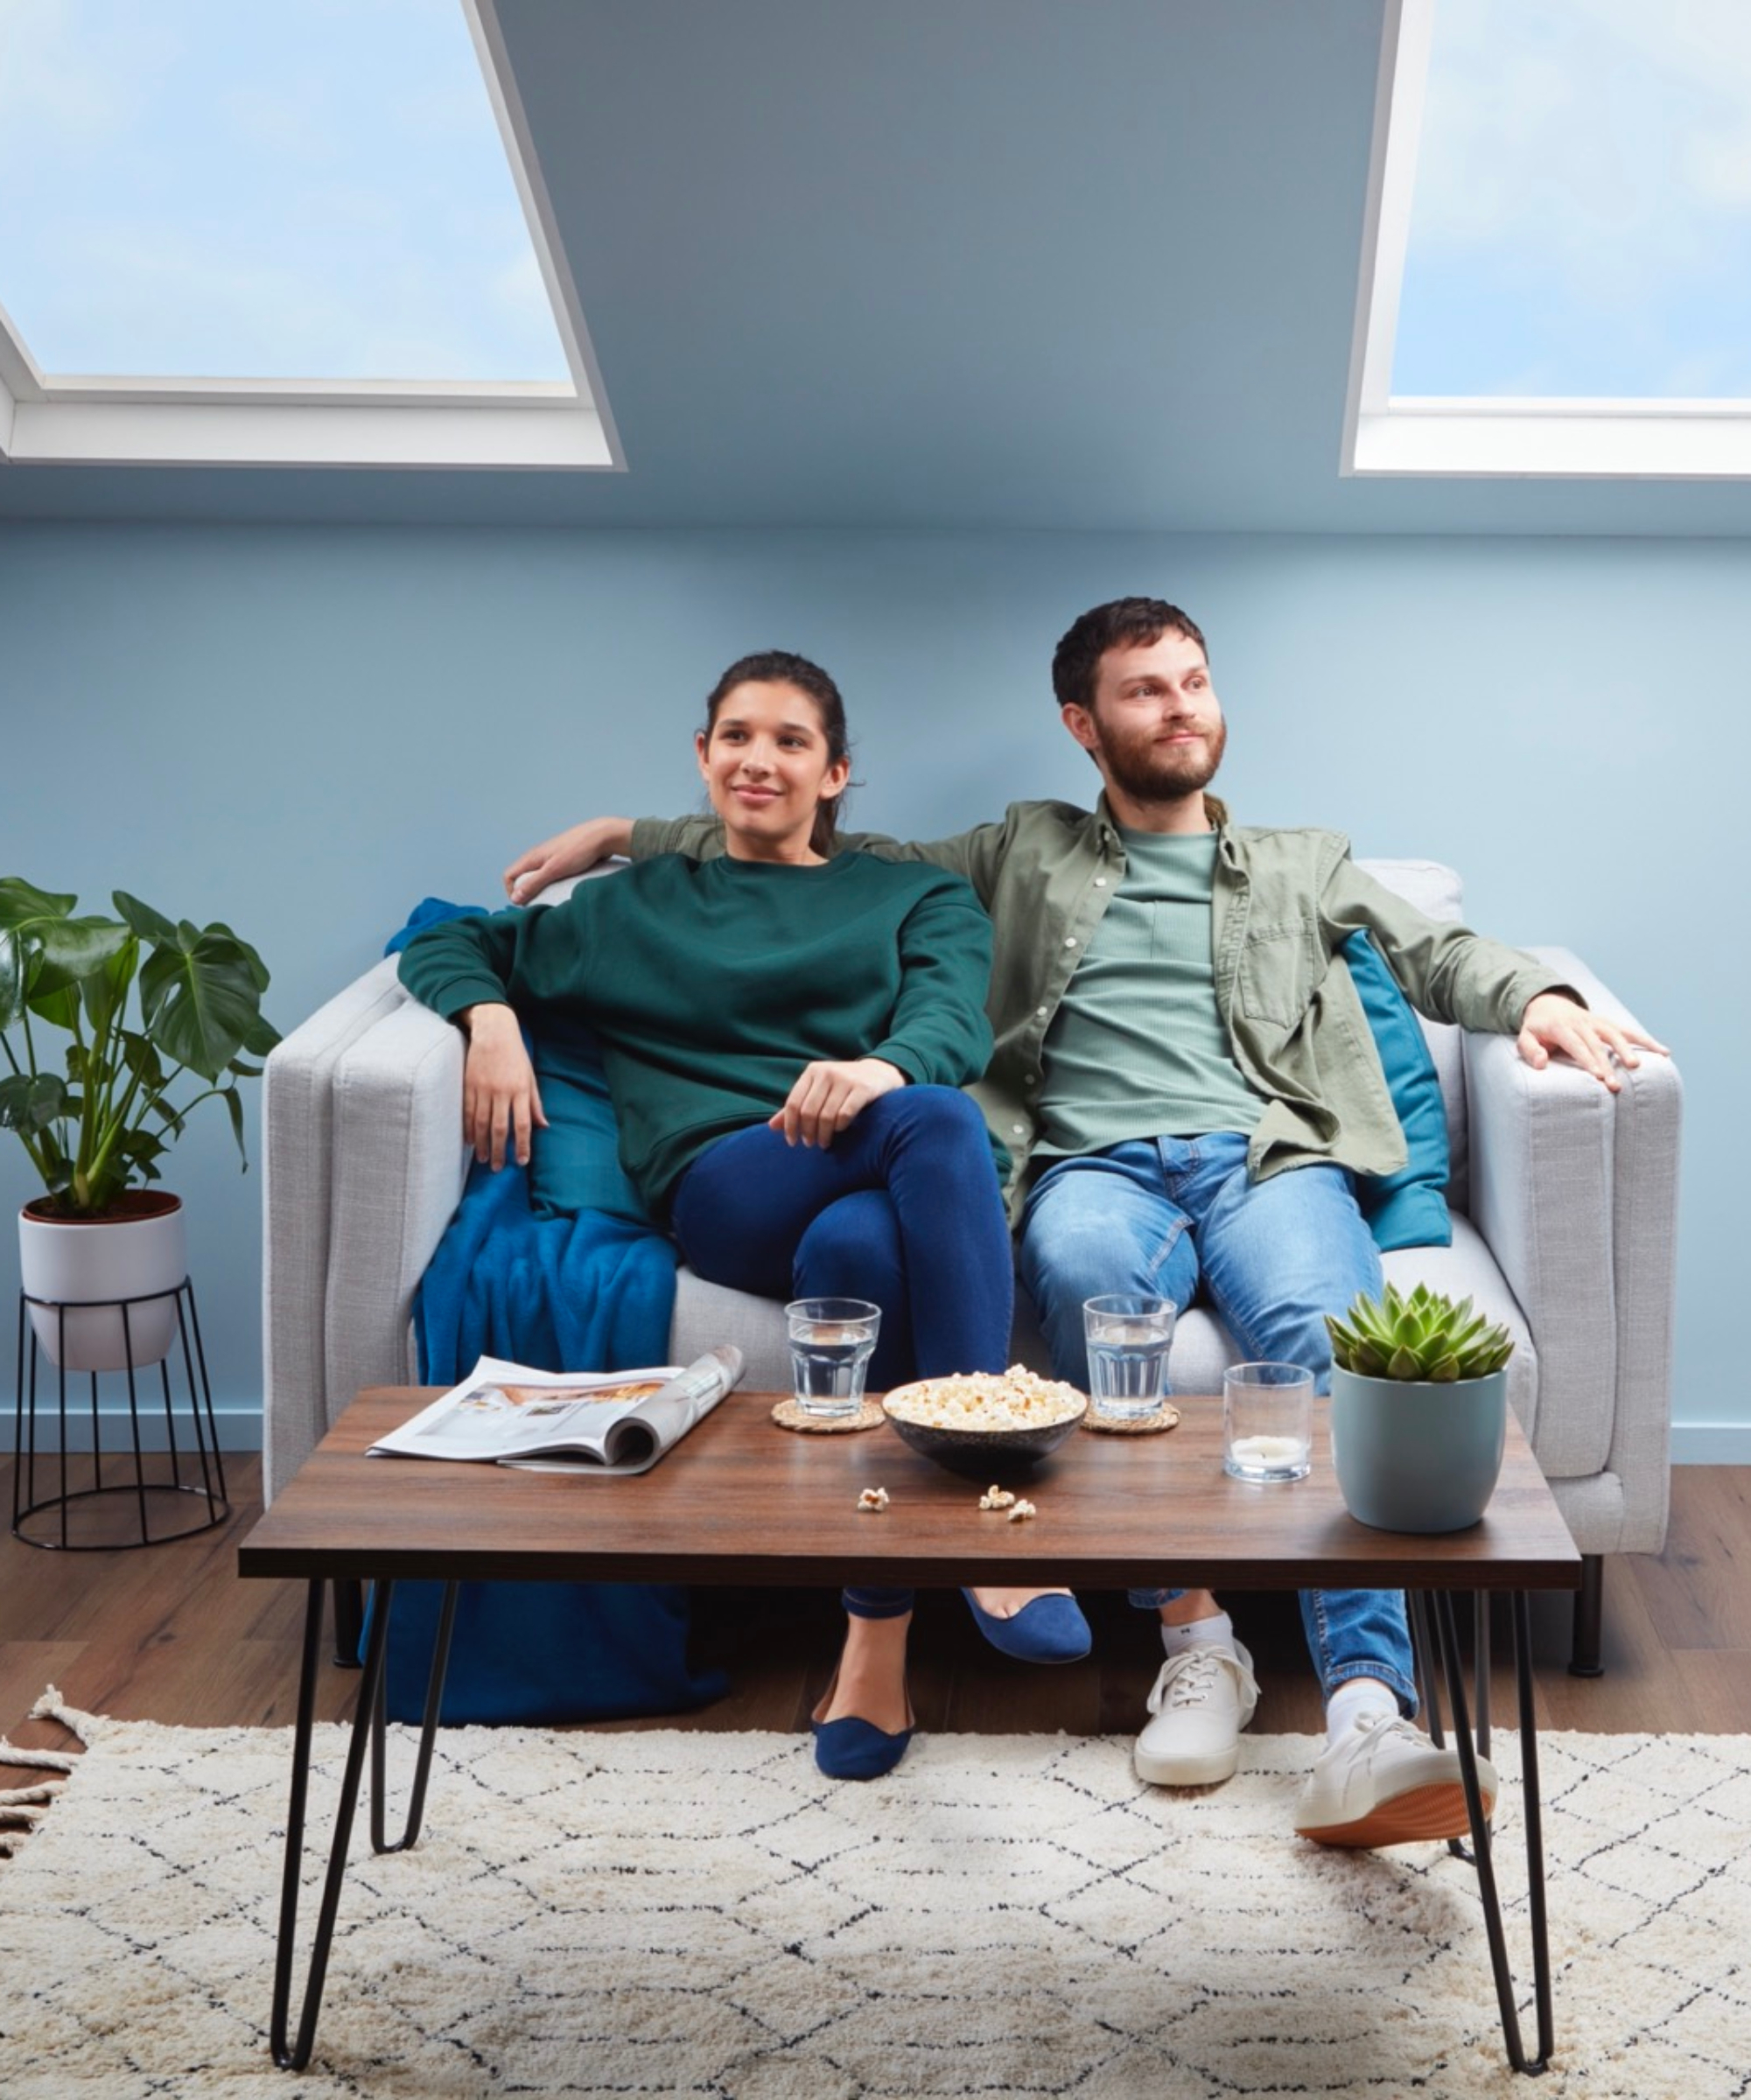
x: 903, y: 1208
x: 1169, y: 1215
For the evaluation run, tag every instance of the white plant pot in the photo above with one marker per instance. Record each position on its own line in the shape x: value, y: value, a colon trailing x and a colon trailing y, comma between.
x: 69, y: 1262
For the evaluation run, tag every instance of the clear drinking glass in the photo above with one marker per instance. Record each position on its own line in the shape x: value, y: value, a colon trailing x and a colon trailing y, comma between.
x: 1128, y: 1336
x: 1267, y: 1421
x: 832, y: 1342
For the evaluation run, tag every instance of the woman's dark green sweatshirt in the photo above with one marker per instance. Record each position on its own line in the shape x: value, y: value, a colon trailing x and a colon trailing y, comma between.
x: 710, y: 984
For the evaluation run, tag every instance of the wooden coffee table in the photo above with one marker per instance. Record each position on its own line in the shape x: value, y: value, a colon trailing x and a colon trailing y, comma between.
x: 743, y: 1502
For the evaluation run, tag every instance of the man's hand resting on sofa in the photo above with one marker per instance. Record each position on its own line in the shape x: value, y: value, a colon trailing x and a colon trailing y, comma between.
x: 828, y: 1098
x: 500, y: 1101
x: 567, y: 853
x: 1555, y: 1022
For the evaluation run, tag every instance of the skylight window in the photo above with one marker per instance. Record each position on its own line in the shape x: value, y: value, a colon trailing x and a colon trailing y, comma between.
x: 319, y: 205
x: 1559, y: 274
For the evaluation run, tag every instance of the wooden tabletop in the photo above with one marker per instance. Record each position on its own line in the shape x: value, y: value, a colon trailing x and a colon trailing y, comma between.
x: 740, y: 1500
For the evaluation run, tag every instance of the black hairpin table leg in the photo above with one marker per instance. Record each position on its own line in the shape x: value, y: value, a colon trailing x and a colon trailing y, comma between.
x: 421, y: 1772
x: 1446, y: 1641
x: 294, y: 2058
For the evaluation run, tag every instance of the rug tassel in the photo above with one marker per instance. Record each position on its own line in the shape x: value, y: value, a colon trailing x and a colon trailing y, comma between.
x: 52, y: 1706
x: 16, y: 1817
x: 48, y: 1760
x: 23, y: 1808
x: 21, y: 1797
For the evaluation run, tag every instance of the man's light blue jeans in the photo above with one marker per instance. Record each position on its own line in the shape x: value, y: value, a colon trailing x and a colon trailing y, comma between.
x: 1168, y: 1215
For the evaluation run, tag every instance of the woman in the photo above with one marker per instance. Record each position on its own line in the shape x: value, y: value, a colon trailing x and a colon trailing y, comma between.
x: 785, y: 1034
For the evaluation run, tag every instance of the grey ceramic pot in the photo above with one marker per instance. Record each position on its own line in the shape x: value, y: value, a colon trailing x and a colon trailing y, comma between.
x: 1416, y: 1457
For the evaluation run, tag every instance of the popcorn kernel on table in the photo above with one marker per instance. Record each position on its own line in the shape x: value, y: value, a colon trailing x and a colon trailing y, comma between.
x: 996, y: 1498
x: 873, y: 1500
x: 1021, y: 1512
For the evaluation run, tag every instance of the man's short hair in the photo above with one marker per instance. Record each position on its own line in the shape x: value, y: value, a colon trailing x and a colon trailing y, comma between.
x: 1127, y: 623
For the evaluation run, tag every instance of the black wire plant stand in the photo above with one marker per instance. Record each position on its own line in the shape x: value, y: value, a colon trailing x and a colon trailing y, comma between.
x: 201, y: 1459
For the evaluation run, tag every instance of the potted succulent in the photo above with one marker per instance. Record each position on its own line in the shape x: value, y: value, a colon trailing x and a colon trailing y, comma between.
x: 1419, y: 1409
x: 144, y: 1006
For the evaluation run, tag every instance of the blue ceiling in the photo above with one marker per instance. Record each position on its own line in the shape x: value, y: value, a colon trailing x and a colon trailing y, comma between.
x: 1046, y: 264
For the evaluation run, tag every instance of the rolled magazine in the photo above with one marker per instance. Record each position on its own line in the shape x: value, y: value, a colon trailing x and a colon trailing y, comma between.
x: 606, y: 1422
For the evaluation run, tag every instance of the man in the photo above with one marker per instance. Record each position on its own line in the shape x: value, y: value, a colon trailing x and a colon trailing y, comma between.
x: 1186, y: 1082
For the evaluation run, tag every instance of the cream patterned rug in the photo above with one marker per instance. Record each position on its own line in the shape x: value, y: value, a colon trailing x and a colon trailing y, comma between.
x: 695, y: 1913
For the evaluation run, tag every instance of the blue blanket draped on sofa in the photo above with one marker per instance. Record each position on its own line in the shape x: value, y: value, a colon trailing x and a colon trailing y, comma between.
x: 587, y: 1292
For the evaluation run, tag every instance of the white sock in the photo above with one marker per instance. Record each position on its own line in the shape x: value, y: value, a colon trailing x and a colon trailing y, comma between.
x: 1218, y: 1631
x: 1354, y: 1698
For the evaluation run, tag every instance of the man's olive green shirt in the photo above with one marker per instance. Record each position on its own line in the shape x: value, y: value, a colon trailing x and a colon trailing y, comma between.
x: 1283, y: 902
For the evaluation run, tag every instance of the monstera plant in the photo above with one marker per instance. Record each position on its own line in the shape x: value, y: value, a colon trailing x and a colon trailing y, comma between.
x: 114, y: 1029
x: 96, y: 1117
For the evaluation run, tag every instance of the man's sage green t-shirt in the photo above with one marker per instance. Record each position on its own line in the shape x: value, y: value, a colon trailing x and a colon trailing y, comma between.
x: 1137, y: 1048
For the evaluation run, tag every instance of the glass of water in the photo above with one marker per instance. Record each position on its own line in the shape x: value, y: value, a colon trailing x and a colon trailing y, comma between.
x: 832, y: 1342
x: 1128, y: 1335
x: 1267, y: 1421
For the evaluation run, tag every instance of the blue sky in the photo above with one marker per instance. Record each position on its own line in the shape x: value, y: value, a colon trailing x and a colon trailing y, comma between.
x: 296, y: 188
x: 261, y: 189
x: 1582, y: 219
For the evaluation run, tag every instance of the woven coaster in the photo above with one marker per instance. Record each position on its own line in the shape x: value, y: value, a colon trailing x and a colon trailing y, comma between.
x: 787, y: 1415
x: 1143, y: 1425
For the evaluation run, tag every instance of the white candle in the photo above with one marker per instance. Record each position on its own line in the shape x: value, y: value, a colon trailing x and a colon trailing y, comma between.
x: 1268, y: 1451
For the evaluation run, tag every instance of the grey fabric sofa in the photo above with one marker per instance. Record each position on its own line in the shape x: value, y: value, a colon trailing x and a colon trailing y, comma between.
x: 1564, y: 1199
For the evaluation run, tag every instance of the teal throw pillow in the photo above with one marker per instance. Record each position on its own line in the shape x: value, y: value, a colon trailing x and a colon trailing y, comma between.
x: 1408, y: 1208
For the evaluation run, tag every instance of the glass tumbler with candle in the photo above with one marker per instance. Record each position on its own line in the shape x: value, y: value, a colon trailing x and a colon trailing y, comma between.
x: 1267, y: 1421
x: 1128, y: 1335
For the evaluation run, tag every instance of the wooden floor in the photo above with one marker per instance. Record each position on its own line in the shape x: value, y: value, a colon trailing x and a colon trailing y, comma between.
x: 169, y: 1634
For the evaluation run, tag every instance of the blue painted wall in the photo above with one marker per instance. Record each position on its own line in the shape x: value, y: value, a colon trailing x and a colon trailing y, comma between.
x: 303, y: 730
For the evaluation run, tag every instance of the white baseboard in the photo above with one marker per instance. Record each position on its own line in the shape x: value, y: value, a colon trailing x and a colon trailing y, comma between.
x: 1712, y: 1442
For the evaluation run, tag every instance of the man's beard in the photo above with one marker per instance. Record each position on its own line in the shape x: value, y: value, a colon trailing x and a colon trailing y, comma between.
x: 1151, y: 775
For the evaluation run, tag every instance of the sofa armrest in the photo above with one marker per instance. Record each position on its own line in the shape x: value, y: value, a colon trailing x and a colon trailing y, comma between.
x: 1575, y: 1189
x: 400, y: 1165
x: 297, y: 1142
x: 363, y: 1164
x: 1647, y: 1125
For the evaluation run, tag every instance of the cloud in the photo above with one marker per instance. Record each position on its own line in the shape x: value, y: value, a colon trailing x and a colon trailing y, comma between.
x: 63, y: 77
x: 518, y: 284
x: 1718, y: 166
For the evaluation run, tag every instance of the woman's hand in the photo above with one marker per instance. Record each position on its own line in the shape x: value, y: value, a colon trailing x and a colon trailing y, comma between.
x: 499, y: 1097
x: 828, y: 1097
x: 567, y: 853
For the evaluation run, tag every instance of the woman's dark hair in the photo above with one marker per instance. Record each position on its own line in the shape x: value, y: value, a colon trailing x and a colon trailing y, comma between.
x: 779, y: 667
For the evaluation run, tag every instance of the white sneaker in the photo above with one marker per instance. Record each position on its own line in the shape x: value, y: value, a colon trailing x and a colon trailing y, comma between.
x: 1384, y: 1782
x: 1203, y: 1698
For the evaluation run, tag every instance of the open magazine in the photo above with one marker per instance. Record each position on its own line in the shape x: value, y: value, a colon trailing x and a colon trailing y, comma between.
x: 609, y: 1422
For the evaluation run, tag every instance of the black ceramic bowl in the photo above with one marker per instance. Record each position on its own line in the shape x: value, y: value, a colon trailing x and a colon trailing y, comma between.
x: 982, y: 1453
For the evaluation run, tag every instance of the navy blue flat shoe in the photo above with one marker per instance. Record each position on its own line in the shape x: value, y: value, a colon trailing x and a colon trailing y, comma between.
x: 850, y: 1748
x: 1051, y: 1629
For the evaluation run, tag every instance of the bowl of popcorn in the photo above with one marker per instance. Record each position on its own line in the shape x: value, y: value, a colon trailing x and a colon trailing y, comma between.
x: 966, y: 1423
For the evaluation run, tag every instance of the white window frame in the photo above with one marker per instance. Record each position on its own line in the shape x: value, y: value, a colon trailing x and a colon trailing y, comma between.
x: 550, y: 423
x: 1579, y: 438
